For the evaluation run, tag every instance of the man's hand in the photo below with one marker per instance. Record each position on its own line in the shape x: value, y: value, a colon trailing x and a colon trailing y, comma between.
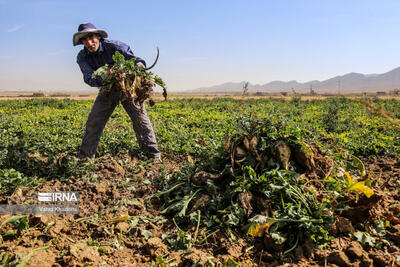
x: 140, y: 64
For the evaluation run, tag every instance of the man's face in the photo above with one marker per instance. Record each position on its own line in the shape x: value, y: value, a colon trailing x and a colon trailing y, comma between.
x: 91, y: 42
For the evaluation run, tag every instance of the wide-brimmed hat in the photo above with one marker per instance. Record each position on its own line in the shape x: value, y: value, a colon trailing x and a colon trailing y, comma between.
x: 84, y: 29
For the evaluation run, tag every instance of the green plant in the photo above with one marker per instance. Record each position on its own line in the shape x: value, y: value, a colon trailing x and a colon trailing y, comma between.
x: 132, y: 80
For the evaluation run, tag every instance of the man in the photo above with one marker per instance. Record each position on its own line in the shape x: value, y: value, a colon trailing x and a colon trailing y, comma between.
x: 97, y: 52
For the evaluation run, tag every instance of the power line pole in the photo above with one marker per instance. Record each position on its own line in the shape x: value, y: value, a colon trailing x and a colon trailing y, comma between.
x: 245, y: 88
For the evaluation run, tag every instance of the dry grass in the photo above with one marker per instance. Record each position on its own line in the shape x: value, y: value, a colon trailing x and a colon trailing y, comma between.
x: 158, y: 97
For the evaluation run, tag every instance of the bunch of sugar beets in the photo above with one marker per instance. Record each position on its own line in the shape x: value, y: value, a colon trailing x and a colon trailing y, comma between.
x: 130, y: 80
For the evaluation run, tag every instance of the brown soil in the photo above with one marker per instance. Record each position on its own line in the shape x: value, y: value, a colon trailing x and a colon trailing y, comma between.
x: 118, y: 226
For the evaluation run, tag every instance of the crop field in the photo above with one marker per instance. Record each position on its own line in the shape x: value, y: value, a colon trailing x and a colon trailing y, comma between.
x: 242, y: 182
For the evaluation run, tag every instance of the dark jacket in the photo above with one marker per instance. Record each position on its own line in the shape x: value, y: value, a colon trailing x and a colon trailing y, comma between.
x: 89, y: 62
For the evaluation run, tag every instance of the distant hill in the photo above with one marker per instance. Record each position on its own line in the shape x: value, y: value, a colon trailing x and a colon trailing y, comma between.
x: 348, y: 83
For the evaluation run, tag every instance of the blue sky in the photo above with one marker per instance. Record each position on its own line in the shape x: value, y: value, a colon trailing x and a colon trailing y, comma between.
x: 202, y: 43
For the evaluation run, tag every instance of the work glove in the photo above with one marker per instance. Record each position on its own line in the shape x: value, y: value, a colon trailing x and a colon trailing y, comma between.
x: 140, y: 64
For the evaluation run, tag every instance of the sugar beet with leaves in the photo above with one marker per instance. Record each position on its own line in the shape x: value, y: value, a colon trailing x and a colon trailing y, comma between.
x: 256, y: 184
x: 129, y: 79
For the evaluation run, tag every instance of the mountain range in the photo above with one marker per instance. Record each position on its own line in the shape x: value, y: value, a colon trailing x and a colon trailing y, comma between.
x: 348, y: 83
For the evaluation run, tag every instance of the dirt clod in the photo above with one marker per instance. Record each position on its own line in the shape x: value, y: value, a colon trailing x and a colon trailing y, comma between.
x: 235, y: 251
x: 193, y: 256
x: 338, y: 258
x: 84, y: 253
x: 381, y: 260
x: 155, y: 247
x: 394, y: 233
x: 122, y: 226
x: 343, y: 226
x: 355, y: 250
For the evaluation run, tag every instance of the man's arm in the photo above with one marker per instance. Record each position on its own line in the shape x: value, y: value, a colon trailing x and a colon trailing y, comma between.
x: 87, y: 71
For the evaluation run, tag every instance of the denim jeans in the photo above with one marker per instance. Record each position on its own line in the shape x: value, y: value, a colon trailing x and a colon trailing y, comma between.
x: 101, y: 111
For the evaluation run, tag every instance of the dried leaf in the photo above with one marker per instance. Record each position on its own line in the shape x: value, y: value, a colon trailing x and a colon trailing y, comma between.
x: 259, y: 224
x: 146, y: 234
x: 365, y: 238
x: 258, y: 230
x: 120, y: 218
